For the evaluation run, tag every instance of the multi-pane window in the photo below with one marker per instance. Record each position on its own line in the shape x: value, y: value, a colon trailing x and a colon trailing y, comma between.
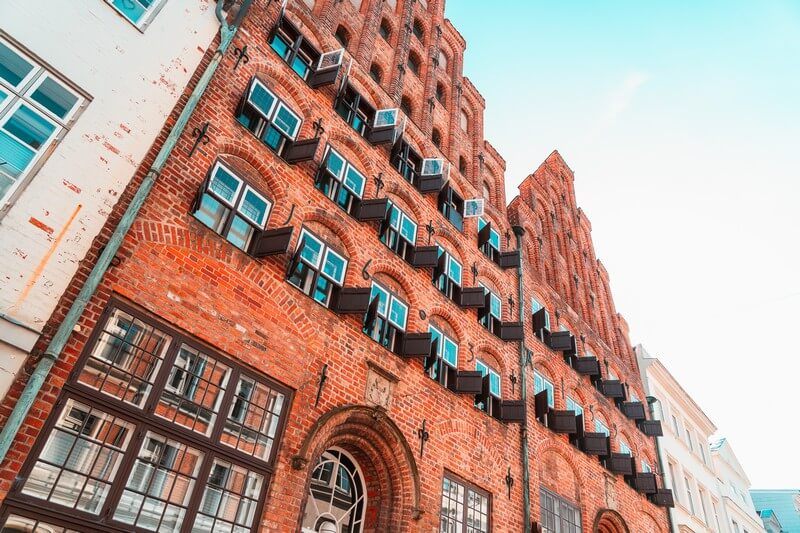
x: 572, y: 405
x: 541, y: 383
x: 447, y: 276
x: 406, y: 161
x: 451, y: 205
x: 36, y: 109
x: 389, y: 317
x: 465, y: 508
x: 558, y: 515
x: 485, y: 404
x: 231, y: 207
x: 536, y: 306
x: 293, y: 48
x: 689, y: 497
x: 673, y: 480
x: 646, y: 466
x: 139, y: 12
x: 689, y: 439
x: 153, y: 433
x: 444, y: 365
x: 675, y: 426
x: 491, y: 248
x: 600, y: 427
x: 316, y: 268
x: 624, y: 448
x: 398, y: 231
x: 267, y: 117
x: 354, y: 109
x: 490, y: 316
x: 340, y: 181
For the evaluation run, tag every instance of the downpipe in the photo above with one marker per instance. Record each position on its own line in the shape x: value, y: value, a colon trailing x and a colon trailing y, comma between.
x: 651, y: 401
x: 59, y: 340
x: 523, y: 361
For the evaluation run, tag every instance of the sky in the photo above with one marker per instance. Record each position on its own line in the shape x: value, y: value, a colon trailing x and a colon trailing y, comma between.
x: 681, y: 120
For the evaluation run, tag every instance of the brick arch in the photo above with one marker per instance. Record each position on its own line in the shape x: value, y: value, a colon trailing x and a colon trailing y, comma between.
x: 309, y: 26
x: 551, y: 460
x: 454, y: 245
x: 609, y: 521
x: 388, y: 268
x: 371, y: 436
x: 462, y: 431
x: 378, y: 99
x: 286, y: 85
x: 234, y: 148
x: 344, y: 143
x: 654, y: 523
x: 500, y: 363
x: 454, y: 322
x: 335, y: 222
x: 408, y: 203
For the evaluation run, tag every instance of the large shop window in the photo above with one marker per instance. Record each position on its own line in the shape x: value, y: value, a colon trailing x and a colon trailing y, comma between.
x: 558, y: 515
x: 386, y: 318
x: 340, y: 181
x: 152, y: 433
x: 267, y: 117
x: 465, y: 507
x: 36, y: 109
x: 316, y: 268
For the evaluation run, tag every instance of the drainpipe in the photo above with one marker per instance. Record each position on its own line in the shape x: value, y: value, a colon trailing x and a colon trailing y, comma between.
x: 523, y: 356
x: 54, y: 349
x: 651, y: 402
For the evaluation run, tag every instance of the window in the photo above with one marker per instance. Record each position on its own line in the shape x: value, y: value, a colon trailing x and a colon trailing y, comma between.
x: 436, y: 137
x: 646, y: 467
x: 390, y: 316
x: 673, y: 480
x: 139, y: 12
x: 405, y: 106
x: 572, y: 405
x: 714, y: 504
x: 701, y: 495
x: 689, y: 498
x: 600, y: 427
x: 164, y: 434
x: 447, y: 276
x: 675, y: 426
x: 689, y: 439
x: 385, y: 30
x: 537, y: 306
x: 337, y: 495
x: 624, y: 448
x: 36, y: 110
x: 487, y: 192
x: 352, y: 107
x: 633, y: 397
x: 398, y: 231
x: 465, y: 508
x: 340, y: 181
x: 491, y: 316
x: 442, y: 60
x: 702, y: 447
x: 541, y: 383
x: 490, y: 404
x: 293, y: 48
x: 440, y: 93
x: 445, y: 364
x: 375, y: 73
x: 464, y: 121
x: 342, y: 35
x: 735, y: 526
x: 558, y: 515
x: 267, y: 117
x: 231, y: 207
x: 462, y: 165
x: 316, y: 269
x: 451, y: 205
x: 491, y: 246
x: 419, y: 30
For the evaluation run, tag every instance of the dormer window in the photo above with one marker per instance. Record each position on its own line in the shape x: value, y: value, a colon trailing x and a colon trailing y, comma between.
x: 316, y: 268
x: 352, y: 107
x: 293, y: 48
x: 398, y: 232
x: 386, y: 318
x: 340, y: 181
x: 443, y: 366
x: 447, y: 274
x: 488, y: 240
x: 267, y: 117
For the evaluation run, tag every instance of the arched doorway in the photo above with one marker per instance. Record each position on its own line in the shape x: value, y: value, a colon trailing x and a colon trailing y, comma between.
x: 608, y: 521
x: 336, y: 500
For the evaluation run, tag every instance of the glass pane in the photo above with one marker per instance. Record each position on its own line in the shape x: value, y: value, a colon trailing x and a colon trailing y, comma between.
x: 18, y: 524
x: 494, y: 383
x: 212, y: 212
x: 450, y: 353
x: 80, y: 458
x: 252, y: 422
x: 280, y: 46
x: 125, y: 359
x: 29, y: 127
x: 394, y: 216
x: 286, y: 121
x: 335, y: 164
x: 55, y: 98
x: 432, y: 167
x: 13, y: 67
x: 133, y: 10
x: 240, y: 233
x: 230, y: 498
x: 385, y: 117
x: 383, y: 298
x: 194, y: 390
x: 254, y: 207
x: 312, y: 249
x: 300, y: 66
x: 494, y: 239
x: 160, y: 484
x: 224, y: 184
x: 15, y: 154
x: 455, y: 271
x: 354, y: 181
x: 334, y: 267
x: 261, y: 98
x: 408, y: 229
x: 495, y: 306
x: 398, y: 313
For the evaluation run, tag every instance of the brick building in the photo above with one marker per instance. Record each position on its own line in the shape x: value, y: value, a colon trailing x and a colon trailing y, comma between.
x: 307, y: 330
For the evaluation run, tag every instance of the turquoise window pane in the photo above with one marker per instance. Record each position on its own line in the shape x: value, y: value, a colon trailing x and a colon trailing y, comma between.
x: 13, y: 67
x: 272, y: 138
x: 300, y: 67
x: 254, y: 207
x: 286, y: 121
x: 132, y: 9
x: 481, y: 223
x: 494, y: 239
x: 15, y: 155
x: 455, y: 270
x: 354, y: 181
x: 55, y: 98
x: 495, y: 306
x: 224, y: 184
x: 481, y: 367
x: 211, y: 212
x: 312, y: 250
x: 494, y: 383
x: 450, y: 353
x: 5, y: 184
x: 280, y: 46
x: 599, y: 427
x: 334, y: 267
x: 261, y: 98
x: 321, y: 290
x: 2, y: 96
x: 398, y: 314
x: 408, y: 230
x: 335, y: 164
x: 394, y: 217
x: 435, y: 335
x: 382, y: 296
x: 239, y: 234
x: 573, y: 406
x: 29, y: 127
x: 623, y: 447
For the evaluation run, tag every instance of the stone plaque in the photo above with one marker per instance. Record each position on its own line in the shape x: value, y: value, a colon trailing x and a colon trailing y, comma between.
x: 380, y: 386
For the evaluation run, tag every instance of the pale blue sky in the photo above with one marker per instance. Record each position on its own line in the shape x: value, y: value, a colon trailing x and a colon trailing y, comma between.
x: 681, y: 120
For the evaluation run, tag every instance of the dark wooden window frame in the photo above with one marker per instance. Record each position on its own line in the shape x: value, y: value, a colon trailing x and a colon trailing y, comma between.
x: 560, y: 500
x: 297, y: 46
x: 467, y: 487
x: 351, y: 104
x: 406, y: 161
x: 145, y: 419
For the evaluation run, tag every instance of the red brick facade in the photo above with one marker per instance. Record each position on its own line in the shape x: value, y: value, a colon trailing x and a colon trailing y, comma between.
x: 179, y: 272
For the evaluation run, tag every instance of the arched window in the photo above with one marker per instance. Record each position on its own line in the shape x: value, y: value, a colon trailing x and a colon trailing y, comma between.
x: 487, y: 192
x: 343, y: 36
x: 440, y: 93
x: 413, y: 63
x: 464, y: 121
x: 436, y: 137
x: 337, y: 497
x: 462, y: 165
x: 385, y: 30
x: 375, y: 73
x: 419, y: 30
x: 442, y: 60
x: 405, y: 106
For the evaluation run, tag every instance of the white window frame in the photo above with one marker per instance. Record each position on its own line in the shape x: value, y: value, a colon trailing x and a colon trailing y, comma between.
x: 551, y: 396
x: 346, y: 167
x: 536, y: 306
x: 601, y: 427
x: 387, y: 312
x: 572, y: 405
x: 147, y: 17
x: 323, y: 257
x: 492, y: 298
x: 485, y: 369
